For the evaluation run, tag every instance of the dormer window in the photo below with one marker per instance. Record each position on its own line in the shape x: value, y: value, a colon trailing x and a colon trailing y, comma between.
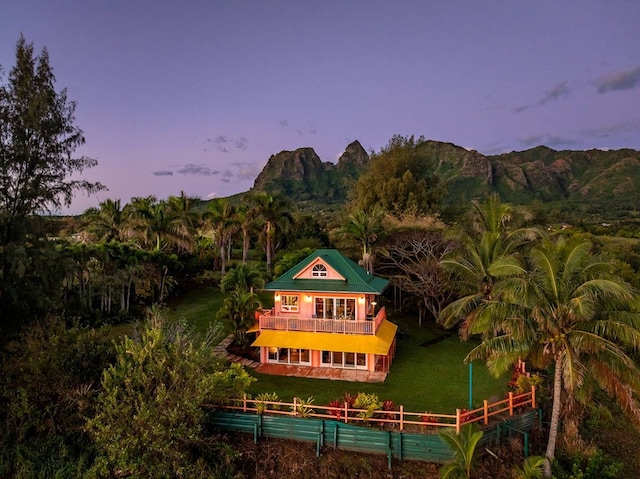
x: 319, y: 271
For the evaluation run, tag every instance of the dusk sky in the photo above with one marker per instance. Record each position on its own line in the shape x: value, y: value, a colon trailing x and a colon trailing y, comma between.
x: 196, y: 96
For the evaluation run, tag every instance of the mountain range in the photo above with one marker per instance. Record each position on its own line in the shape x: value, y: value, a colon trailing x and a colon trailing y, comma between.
x: 604, y: 184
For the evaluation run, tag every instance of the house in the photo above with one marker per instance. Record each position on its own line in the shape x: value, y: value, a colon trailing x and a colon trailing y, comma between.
x: 326, y: 315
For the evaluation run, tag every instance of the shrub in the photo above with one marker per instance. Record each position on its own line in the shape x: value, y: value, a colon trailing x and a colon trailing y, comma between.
x: 369, y: 402
x: 261, y: 400
x: 302, y: 407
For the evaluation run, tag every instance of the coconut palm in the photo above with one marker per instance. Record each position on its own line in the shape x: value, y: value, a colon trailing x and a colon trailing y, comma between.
x: 246, y: 218
x: 274, y: 212
x: 109, y: 221
x: 364, y: 228
x: 220, y: 218
x: 158, y: 226
x: 564, y: 310
x: 487, y: 244
x: 463, y: 446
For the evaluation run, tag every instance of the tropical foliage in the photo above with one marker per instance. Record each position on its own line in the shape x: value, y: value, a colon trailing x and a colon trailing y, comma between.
x: 560, y: 309
x: 149, y: 417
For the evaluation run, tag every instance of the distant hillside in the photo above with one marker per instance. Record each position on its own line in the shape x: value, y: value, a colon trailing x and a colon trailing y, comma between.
x: 302, y: 176
x: 604, y: 183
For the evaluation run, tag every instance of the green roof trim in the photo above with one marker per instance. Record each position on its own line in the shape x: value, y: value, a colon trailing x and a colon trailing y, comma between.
x: 357, y: 280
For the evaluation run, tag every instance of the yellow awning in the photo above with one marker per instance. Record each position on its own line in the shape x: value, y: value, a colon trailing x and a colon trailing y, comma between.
x: 356, y: 343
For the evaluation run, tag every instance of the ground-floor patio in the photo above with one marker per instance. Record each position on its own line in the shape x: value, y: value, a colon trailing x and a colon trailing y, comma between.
x: 354, y: 375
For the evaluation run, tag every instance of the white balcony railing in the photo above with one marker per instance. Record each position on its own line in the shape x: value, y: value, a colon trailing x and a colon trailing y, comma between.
x: 288, y: 322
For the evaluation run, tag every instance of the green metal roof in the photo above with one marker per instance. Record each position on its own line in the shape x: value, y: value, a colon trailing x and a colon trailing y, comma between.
x: 357, y: 280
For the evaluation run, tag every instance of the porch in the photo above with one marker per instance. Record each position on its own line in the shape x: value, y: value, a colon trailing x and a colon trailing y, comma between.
x: 268, y: 320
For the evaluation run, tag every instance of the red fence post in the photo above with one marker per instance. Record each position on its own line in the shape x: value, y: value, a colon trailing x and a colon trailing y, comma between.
x: 244, y: 403
x: 401, y: 417
x: 346, y: 412
x: 486, y: 411
x: 510, y: 404
x: 533, y: 397
x: 458, y: 421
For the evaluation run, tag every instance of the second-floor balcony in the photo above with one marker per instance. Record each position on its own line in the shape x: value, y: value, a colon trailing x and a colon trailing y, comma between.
x: 288, y: 322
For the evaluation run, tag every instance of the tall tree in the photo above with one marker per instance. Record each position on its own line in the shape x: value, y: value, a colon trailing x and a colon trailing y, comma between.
x: 364, y: 227
x: 220, y: 217
x: 276, y: 215
x: 38, y: 173
x: 489, y: 241
x: 109, y: 221
x: 562, y: 310
x: 159, y: 226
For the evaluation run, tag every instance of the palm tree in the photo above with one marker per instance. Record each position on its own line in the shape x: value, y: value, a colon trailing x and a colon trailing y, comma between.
x: 463, y: 446
x: 109, y: 221
x: 220, y: 217
x: 238, y: 311
x: 242, y: 278
x: 488, y: 243
x: 274, y: 211
x: 531, y: 469
x: 246, y: 217
x: 564, y: 310
x: 364, y: 227
x: 158, y: 226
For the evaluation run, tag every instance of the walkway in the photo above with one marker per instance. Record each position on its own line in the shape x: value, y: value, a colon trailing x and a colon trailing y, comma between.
x: 353, y: 375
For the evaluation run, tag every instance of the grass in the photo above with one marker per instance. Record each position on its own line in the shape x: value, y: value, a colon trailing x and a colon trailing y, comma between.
x: 432, y: 377
x: 422, y: 378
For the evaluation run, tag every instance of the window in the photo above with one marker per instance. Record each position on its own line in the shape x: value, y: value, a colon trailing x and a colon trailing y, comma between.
x: 319, y: 271
x: 344, y: 360
x: 289, y: 356
x: 289, y: 303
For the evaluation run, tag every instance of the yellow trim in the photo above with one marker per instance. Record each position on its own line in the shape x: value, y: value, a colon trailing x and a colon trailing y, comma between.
x: 255, y: 328
x: 356, y: 343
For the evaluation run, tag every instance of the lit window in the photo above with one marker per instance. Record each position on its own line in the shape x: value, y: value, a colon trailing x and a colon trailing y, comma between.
x: 319, y: 271
x: 289, y: 303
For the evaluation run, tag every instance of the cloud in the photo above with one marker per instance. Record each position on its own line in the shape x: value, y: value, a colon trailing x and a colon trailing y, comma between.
x: 547, y: 139
x: 212, y: 195
x: 246, y: 171
x: 629, y: 126
x: 240, y: 143
x: 561, y: 90
x: 283, y: 123
x: 193, y: 169
x: 222, y: 143
x: 162, y: 173
x: 622, y: 80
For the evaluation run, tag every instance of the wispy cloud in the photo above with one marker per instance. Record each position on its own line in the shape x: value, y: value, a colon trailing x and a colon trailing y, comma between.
x: 622, y: 80
x: 246, y: 171
x: 162, y: 173
x: 547, y: 139
x: 629, y: 126
x: 223, y: 143
x: 283, y: 123
x: 561, y: 90
x: 193, y: 169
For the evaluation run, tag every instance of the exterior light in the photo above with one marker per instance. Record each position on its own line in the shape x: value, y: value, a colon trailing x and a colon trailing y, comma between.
x: 308, y: 298
x: 361, y: 300
x: 277, y: 297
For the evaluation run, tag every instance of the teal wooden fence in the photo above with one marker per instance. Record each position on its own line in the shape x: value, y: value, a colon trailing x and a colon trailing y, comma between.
x: 394, y: 444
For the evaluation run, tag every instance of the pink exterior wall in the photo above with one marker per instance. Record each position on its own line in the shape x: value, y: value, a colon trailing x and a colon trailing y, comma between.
x: 306, y: 303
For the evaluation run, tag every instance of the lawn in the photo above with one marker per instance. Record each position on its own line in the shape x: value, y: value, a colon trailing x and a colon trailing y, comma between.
x: 432, y: 377
x: 427, y: 374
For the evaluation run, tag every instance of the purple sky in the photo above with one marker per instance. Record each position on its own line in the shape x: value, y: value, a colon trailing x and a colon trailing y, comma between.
x: 196, y: 96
